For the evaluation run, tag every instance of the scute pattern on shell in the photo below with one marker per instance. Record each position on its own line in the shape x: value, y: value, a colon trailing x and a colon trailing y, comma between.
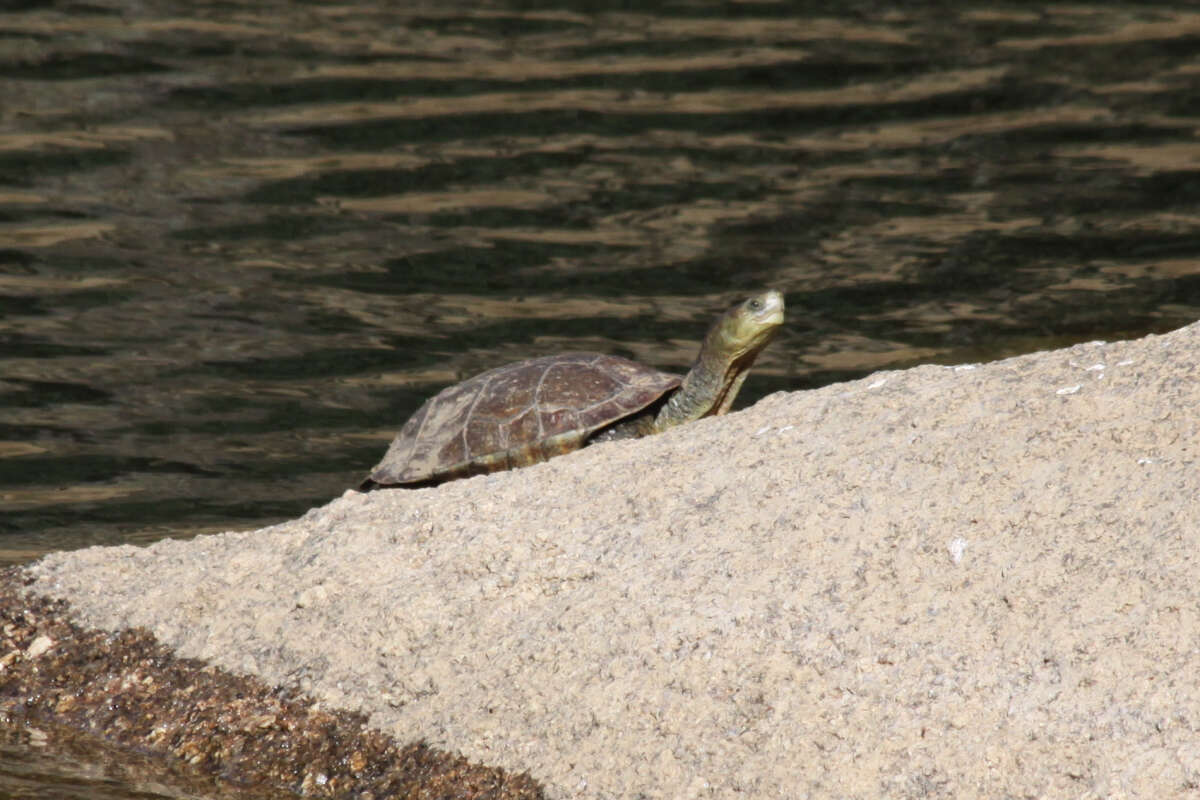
x: 519, y: 414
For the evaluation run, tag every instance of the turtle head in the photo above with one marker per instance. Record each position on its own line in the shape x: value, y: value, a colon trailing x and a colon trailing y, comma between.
x: 729, y: 349
x: 745, y: 329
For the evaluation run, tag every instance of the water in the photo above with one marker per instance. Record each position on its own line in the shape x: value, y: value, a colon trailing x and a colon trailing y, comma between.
x: 29, y: 770
x: 240, y: 242
x: 39, y: 763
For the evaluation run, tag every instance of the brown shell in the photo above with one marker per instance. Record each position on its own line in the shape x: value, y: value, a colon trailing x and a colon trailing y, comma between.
x: 517, y: 415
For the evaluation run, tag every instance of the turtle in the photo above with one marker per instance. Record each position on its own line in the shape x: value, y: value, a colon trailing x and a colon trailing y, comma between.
x: 527, y: 412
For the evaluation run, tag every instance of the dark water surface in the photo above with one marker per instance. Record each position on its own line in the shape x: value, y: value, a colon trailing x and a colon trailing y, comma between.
x: 57, y: 764
x: 241, y: 241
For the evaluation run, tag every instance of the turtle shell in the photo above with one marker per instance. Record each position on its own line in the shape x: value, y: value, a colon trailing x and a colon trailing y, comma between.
x: 517, y: 415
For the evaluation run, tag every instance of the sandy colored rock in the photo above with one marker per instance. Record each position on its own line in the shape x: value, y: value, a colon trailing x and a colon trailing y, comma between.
x: 958, y: 582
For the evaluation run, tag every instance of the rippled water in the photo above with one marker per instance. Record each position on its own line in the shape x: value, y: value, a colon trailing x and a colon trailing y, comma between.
x: 240, y: 242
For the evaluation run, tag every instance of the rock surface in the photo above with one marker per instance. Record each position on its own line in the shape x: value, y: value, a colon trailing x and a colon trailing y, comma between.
x: 960, y: 582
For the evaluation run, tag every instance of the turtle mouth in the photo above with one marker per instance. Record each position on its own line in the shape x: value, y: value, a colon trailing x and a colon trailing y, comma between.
x: 772, y: 311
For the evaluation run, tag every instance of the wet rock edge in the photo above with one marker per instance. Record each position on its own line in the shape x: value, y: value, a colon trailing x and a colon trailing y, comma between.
x: 133, y: 692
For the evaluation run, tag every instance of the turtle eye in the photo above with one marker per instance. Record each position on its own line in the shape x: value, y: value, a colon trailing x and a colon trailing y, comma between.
x: 756, y: 304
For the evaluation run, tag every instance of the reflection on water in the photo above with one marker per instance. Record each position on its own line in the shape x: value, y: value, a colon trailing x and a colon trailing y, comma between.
x: 240, y: 242
x: 57, y: 764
